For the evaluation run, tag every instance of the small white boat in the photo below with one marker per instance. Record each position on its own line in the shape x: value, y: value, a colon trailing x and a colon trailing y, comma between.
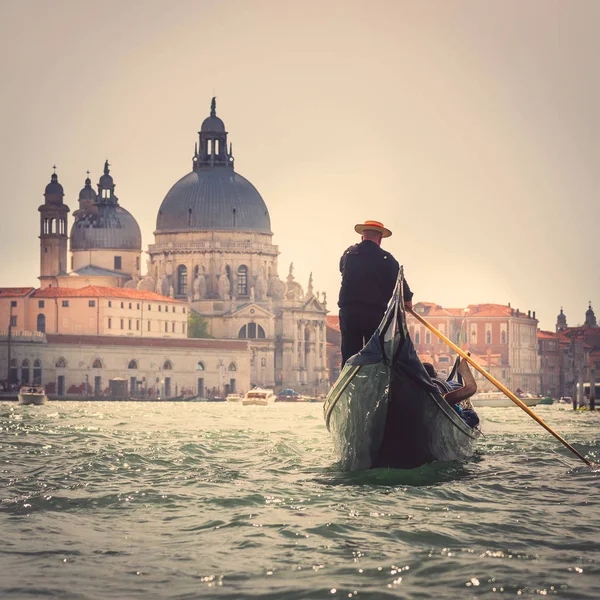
x: 499, y: 400
x: 32, y: 394
x: 233, y: 398
x: 259, y: 397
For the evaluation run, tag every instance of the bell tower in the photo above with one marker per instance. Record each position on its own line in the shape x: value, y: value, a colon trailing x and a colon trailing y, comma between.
x: 53, y: 233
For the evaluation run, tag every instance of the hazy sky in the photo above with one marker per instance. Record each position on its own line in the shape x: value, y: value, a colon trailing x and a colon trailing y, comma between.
x: 471, y: 129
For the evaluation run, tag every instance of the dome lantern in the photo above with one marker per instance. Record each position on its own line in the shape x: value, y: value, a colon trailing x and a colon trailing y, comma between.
x: 212, y: 147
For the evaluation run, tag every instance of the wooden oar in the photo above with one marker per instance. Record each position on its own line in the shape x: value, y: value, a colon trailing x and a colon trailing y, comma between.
x: 501, y: 387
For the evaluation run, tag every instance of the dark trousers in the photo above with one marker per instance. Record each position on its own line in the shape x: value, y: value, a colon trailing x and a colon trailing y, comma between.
x: 357, y: 325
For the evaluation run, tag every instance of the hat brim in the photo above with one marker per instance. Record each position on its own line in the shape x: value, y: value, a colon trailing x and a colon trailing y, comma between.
x: 382, y: 230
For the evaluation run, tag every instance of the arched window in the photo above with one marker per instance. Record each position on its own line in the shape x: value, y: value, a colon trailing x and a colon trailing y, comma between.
x: 167, y: 365
x: 232, y: 367
x: 61, y: 363
x: 251, y: 331
x: 242, y: 280
x: 132, y: 364
x: 41, y: 323
x: 37, y: 371
x: 488, y: 337
x: 97, y: 364
x: 181, y: 280
x: 503, y: 337
x: 200, y: 366
x: 25, y: 371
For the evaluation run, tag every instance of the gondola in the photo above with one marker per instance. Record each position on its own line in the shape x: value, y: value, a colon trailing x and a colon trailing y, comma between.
x: 385, y: 411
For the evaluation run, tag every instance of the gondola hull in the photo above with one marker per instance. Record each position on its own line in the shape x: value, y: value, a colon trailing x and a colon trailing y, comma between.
x: 385, y: 411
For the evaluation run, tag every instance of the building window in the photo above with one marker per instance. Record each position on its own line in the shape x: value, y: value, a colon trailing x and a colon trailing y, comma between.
x: 109, y: 303
x: 488, y: 337
x: 40, y: 304
x: 503, y: 337
x: 417, y: 338
x: 200, y: 366
x: 97, y: 364
x: 129, y: 323
x: 122, y: 324
x: 183, y: 327
x: 118, y: 263
x: 37, y: 371
x: 122, y: 304
x: 138, y: 306
x: 137, y: 325
x: 132, y: 364
x: 149, y: 306
x: 159, y: 308
x: 91, y: 303
x: 263, y: 362
x: 130, y: 306
x: 41, y: 323
x: 181, y: 280
x: 25, y: 371
x: 232, y: 367
x: 173, y: 327
x: 61, y: 363
x: 167, y: 365
x: 428, y: 338
x: 166, y: 327
x: 184, y: 310
x: 242, y: 281
x: 65, y: 303
x: 252, y: 331
x: 13, y: 321
x: 13, y: 303
x: 109, y: 323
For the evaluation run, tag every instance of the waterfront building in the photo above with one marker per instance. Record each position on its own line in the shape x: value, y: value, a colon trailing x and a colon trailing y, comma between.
x: 502, y: 339
x: 212, y: 256
x: 570, y: 356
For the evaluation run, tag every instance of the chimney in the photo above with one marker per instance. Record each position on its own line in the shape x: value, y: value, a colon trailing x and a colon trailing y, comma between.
x: 529, y: 314
x: 534, y: 314
x: 517, y: 312
x: 509, y: 305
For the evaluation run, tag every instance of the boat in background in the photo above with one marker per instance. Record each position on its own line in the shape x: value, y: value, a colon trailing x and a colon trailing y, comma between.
x: 32, y: 394
x: 500, y: 400
x: 233, y: 398
x: 546, y: 400
x: 259, y: 397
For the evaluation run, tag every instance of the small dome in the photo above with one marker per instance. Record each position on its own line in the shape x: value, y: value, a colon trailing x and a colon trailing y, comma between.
x: 212, y: 124
x: 213, y: 199
x: 54, y: 188
x: 87, y: 192
x: 105, y: 226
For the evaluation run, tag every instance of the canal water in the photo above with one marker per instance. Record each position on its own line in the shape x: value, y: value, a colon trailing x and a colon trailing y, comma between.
x: 200, y: 500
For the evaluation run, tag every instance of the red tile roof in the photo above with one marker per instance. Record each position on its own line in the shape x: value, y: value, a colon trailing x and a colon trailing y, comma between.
x: 109, y: 340
x: 95, y: 291
x: 431, y: 309
x: 13, y: 292
x: 333, y: 321
x: 546, y: 335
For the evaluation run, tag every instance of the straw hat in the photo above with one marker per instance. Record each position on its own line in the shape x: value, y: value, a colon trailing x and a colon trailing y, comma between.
x: 372, y: 226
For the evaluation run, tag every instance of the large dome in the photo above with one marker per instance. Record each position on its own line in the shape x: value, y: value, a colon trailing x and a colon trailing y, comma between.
x: 213, y: 199
x: 105, y: 227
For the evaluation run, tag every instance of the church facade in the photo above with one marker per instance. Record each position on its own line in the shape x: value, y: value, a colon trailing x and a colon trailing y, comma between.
x: 214, y: 249
x: 213, y: 256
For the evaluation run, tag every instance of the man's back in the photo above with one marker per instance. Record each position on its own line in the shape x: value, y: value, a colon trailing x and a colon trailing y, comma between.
x: 369, y: 275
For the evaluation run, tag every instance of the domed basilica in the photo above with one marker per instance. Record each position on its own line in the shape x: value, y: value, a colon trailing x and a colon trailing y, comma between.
x: 213, y: 249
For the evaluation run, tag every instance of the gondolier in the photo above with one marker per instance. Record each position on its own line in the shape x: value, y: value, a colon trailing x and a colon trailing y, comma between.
x: 369, y: 275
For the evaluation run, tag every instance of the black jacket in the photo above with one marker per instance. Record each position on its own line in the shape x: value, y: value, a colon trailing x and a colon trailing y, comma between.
x: 369, y: 276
